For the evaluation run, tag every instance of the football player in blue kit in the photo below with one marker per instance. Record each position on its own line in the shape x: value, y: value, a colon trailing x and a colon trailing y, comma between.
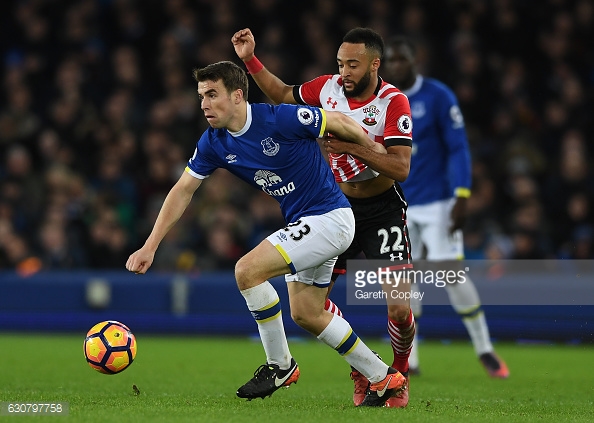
x: 275, y: 149
x: 437, y: 190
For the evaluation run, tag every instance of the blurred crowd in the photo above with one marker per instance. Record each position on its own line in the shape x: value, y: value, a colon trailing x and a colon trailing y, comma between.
x: 99, y: 115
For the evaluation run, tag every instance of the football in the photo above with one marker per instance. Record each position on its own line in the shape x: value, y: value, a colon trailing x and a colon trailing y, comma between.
x: 110, y: 347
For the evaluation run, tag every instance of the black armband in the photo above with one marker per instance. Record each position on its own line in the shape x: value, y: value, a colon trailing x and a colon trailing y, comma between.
x: 390, y: 142
x: 297, y: 96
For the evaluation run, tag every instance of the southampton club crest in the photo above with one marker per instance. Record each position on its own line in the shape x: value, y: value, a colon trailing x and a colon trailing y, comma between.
x: 371, y: 113
x: 270, y: 148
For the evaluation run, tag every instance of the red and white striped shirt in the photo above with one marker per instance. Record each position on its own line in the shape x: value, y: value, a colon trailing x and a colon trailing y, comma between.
x: 385, y: 117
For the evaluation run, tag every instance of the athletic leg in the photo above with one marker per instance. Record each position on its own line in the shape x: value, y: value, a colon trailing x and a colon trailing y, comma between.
x: 416, y: 245
x: 252, y: 273
x: 447, y: 250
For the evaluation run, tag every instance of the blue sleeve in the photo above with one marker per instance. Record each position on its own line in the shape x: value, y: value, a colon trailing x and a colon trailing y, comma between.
x: 454, y: 137
x: 300, y: 122
x: 203, y: 162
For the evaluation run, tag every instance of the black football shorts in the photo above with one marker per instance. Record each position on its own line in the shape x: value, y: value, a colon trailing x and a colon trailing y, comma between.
x: 380, y: 231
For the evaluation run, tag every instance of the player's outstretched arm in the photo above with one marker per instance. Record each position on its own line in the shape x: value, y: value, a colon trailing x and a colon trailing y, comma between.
x: 173, y: 207
x: 394, y: 165
x: 275, y: 89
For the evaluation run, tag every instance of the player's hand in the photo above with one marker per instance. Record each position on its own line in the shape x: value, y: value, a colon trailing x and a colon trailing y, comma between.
x: 244, y: 44
x: 140, y: 261
x: 335, y: 146
x: 458, y: 214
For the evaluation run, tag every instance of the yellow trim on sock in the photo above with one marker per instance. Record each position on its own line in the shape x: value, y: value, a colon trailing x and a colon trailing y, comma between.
x: 345, y: 338
x: 353, y: 347
x: 272, y: 304
x: 269, y: 318
x: 470, y: 311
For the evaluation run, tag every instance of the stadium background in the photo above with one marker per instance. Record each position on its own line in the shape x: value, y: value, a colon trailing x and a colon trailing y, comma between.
x: 99, y: 114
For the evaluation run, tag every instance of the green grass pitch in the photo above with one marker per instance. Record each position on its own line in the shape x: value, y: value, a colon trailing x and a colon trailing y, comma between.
x: 194, y: 379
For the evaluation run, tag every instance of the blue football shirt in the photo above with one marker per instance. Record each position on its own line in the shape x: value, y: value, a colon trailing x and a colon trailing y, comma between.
x: 276, y: 152
x: 440, y: 161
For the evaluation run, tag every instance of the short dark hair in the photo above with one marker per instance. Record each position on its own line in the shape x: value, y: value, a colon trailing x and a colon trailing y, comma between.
x: 372, y: 40
x: 233, y: 77
x: 401, y: 40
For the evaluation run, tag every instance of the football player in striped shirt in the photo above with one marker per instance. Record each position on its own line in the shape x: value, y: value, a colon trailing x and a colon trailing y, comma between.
x: 370, y: 179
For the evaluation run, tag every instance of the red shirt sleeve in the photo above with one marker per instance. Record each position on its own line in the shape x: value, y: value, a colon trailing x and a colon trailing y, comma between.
x: 309, y: 92
x: 398, y: 130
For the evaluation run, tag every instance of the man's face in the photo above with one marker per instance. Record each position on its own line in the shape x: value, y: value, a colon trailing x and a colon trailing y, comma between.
x: 216, y: 103
x: 399, y: 66
x: 354, y: 66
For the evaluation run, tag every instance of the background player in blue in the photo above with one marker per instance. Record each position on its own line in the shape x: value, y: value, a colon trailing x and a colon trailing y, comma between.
x: 437, y: 189
x: 274, y: 148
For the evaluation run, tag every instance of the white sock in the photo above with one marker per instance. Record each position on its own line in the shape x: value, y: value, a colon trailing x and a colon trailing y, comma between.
x: 340, y: 336
x: 417, y: 308
x: 413, y: 358
x: 465, y: 300
x: 263, y: 301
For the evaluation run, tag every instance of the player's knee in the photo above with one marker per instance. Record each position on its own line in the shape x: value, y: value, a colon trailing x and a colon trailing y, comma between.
x: 301, y: 318
x: 244, y: 273
x: 399, y: 313
x: 304, y: 317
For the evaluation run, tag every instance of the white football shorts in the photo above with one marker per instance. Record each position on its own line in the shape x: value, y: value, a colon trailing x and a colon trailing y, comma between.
x: 311, y: 245
x: 429, y: 227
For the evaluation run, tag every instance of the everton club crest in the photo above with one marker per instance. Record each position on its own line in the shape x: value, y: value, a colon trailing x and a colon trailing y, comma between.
x: 270, y: 148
